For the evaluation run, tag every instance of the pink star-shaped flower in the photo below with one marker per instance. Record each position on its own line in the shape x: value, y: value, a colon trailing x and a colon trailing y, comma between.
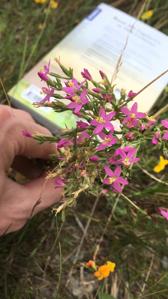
x: 107, y: 141
x: 114, y: 179
x: 164, y: 123
x: 78, y: 101
x: 132, y: 116
x: 103, y: 121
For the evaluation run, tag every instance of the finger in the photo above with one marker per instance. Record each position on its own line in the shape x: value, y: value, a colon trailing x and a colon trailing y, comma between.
x: 28, y: 167
x: 7, y: 113
x: 15, y: 143
x: 26, y: 201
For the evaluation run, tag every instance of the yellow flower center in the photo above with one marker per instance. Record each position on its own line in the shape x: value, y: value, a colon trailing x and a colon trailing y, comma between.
x: 106, y: 140
x: 112, y: 180
x: 132, y: 115
x: 76, y: 99
x: 126, y: 162
x: 100, y: 119
x: 70, y: 84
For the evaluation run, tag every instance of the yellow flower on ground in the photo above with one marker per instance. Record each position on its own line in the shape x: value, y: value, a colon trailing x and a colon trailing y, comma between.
x: 40, y: 1
x: 161, y: 165
x: 53, y: 4
x: 105, y: 270
x: 147, y: 15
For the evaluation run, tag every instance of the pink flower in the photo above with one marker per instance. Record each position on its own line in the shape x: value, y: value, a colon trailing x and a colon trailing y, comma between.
x: 164, y: 123
x: 108, y: 140
x: 114, y: 179
x: 108, y: 97
x: 127, y: 155
x: 59, y: 182
x: 82, y: 125
x: 26, y: 133
x: 150, y: 123
x: 78, y: 101
x: 72, y: 87
x: 82, y: 136
x: 49, y: 93
x: 156, y: 137
x: 165, y: 136
x: 43, y: 74
x: 103, y: 121
x: 132, y: 115
x: 85, y: 74
x: 94, y: 158
x: 97, y: 89
x: 131, y: 94
x: 129, y: 136
x: 63, y: 143
x: 102, y: 74
x: 163, y: 212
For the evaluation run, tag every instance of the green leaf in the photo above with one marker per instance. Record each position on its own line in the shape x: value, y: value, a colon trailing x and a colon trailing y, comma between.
x: 105, y: 296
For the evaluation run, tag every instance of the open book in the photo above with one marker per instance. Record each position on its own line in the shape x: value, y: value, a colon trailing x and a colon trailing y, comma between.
x: 97, y: 43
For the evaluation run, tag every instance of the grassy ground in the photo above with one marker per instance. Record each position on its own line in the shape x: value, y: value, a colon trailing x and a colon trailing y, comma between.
x: 37, y: 262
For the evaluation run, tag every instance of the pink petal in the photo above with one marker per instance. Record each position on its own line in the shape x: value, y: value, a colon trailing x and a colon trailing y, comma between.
x: 165, y: 136
x: 164, y: 123
x: 117, y: 187
x: 94, y: 122
x: 110, y: 115
x: 123, y: 181
x: 101, y: 147
x: 78, y: 108
x: 141, y: 115
x: 125, y: 110
x: 106, y: 181
x: 94, y: 158
x: 134, y: 107
x: 108, y: 171
x: 109, y: 126
x: 117, y: 171
x: 98, y: 129
x: 102, y: 113
x: 163, y: 212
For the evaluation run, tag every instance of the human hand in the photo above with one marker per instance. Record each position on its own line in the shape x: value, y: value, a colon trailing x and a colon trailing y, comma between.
x: 18, y: 203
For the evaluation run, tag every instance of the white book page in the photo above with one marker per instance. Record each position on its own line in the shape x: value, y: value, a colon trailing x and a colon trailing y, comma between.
x: 98, y: 41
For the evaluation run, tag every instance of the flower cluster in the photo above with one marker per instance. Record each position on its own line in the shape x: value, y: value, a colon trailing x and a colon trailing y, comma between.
x: 103, y: 271
x: 101, y: 151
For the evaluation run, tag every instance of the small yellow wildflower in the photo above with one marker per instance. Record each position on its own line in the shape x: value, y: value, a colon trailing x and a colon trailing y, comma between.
x: 105, y: 270
x: 161, y: 165
x: 53, y: 4
x: 147, y: 15
x: 40, y: 1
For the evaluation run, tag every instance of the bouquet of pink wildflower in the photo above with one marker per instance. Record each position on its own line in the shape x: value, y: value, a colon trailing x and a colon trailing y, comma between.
x: 99, y: 154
